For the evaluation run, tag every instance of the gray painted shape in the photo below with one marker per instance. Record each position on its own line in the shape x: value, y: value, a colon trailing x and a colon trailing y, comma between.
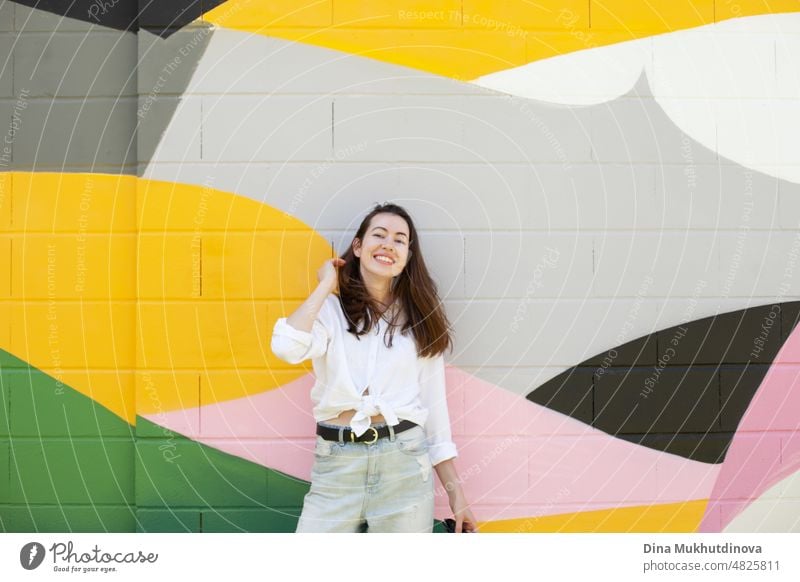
x: 80, y: 126
x: 241, y: 63
x: 99, y: 64
x: 480, y: 160
x: 166, y: 67
x: 789, y: 204
x: 6, y: 65
x: 95, y: 135
x: 183, y: 115
x: 241, y: 128
x: 27, y: 19
x: 87, y: 78
x: 6, y: 15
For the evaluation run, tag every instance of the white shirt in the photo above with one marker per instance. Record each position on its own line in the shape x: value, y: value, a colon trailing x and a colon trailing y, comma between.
x: 401, y: 384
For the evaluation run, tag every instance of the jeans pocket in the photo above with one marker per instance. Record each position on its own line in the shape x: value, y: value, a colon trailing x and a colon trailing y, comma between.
x: 324, y: 448
x: 413, y: 442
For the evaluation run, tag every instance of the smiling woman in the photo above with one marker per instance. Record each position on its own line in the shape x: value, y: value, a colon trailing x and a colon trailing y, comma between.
x: 379, y: 401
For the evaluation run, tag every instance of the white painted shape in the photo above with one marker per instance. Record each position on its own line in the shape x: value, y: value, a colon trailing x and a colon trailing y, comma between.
x: 732, y: 86
x: 760, y: 132
x: 181, y: 140
x: 559, y: 333
x: 787, y: 69
x: 705, y: 62
x: 775, y: 510
x: 579, y: 78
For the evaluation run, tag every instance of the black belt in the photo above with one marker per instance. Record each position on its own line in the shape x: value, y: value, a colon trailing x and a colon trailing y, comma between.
x: 372, y: 434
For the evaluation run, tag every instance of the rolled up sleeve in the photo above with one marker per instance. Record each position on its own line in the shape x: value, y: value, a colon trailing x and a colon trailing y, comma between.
x: 433, y: 394
x: 294, y: 346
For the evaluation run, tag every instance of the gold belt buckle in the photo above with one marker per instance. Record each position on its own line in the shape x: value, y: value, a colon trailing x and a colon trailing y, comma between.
x: 372, y: 428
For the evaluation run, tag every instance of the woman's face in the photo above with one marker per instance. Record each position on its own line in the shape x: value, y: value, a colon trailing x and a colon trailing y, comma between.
x: 384, y: 250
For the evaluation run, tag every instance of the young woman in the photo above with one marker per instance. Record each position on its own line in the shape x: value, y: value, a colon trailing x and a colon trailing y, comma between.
x: 379, y: 398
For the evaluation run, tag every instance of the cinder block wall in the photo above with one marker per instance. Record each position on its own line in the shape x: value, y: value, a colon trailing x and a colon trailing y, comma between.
x: 607, y: 195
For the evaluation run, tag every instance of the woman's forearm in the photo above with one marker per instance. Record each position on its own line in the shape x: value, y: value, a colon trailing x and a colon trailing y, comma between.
x: 448, y: 475
x: 303, y: 317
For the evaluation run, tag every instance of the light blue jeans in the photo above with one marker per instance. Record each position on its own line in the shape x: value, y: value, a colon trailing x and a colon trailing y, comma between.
x: 386, y: 486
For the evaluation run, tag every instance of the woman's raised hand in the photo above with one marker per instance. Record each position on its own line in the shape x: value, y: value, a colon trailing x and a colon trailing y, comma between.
x: 328, y: 273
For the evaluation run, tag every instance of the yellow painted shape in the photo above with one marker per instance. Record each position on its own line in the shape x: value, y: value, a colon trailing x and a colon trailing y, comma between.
x: 309, y: 13
x: 169, y: 266
x: 113, y: 389
x: 204, y: 335
x: 542, y: 45
x: 74, y: 266
x: 234, y: 264
x: 398, y: 14
x: 168, y: 328
x: 74, y: 203
x: 459, y: 53
x: 726, y: 9
x: 5, y: 266
x: 491, y: 36
x: 74, y: 335
x: 158, y: 392
x: 662, y: 518
x: 510, y: 16
x: 5, y: 326
x: 192, y: 316
x: 654, y: 16
x: 168, y: 206
x: 200, y: 335
x: 6, y: 179
x: 72, y: 303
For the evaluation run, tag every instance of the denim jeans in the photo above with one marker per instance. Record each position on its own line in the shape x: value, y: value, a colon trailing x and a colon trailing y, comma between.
x: 386, y: 486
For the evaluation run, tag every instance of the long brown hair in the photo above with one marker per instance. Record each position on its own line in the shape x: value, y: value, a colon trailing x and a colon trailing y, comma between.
x: 414, y: 290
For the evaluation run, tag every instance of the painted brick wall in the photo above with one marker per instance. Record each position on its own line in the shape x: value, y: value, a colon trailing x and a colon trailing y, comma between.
x: 588, y: 179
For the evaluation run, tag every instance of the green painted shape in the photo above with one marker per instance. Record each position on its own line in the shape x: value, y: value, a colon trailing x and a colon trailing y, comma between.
x: 45, y: 407
x: 271, y: 520
x: 5, y: 391
x: 58, y: 471
x: 5, y: 472
x: 9, y: 361
x: 68, y: 462
x: 167, y: 521
x: 155, y: 430
x: 235, y: 495
x: 83, y: 470
x: 284, y: 490
x: 68, y: 518
x: 180, y: 472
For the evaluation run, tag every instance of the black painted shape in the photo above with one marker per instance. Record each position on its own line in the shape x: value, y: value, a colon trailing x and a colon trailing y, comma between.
x: 161, y: 17
x: 682, y: 390
x: 164, y: 18
x: 790, y: 317
x: 120, y: 15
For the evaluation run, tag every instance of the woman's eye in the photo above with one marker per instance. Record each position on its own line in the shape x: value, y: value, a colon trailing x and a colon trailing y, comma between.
x: 399, y: 242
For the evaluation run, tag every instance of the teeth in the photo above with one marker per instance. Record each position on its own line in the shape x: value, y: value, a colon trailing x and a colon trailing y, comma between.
x: 384, y: 260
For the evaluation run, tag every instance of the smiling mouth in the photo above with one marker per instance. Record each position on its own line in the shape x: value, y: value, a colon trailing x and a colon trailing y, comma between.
x: 384, y: 260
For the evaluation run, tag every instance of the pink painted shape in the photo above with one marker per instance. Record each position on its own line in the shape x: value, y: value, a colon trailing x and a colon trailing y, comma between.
x: 765, y: 448
x: 514, y: 454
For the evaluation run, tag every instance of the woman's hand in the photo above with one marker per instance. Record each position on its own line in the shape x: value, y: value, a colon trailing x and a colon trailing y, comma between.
x: 328, y: 273
x: 465, y: 521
